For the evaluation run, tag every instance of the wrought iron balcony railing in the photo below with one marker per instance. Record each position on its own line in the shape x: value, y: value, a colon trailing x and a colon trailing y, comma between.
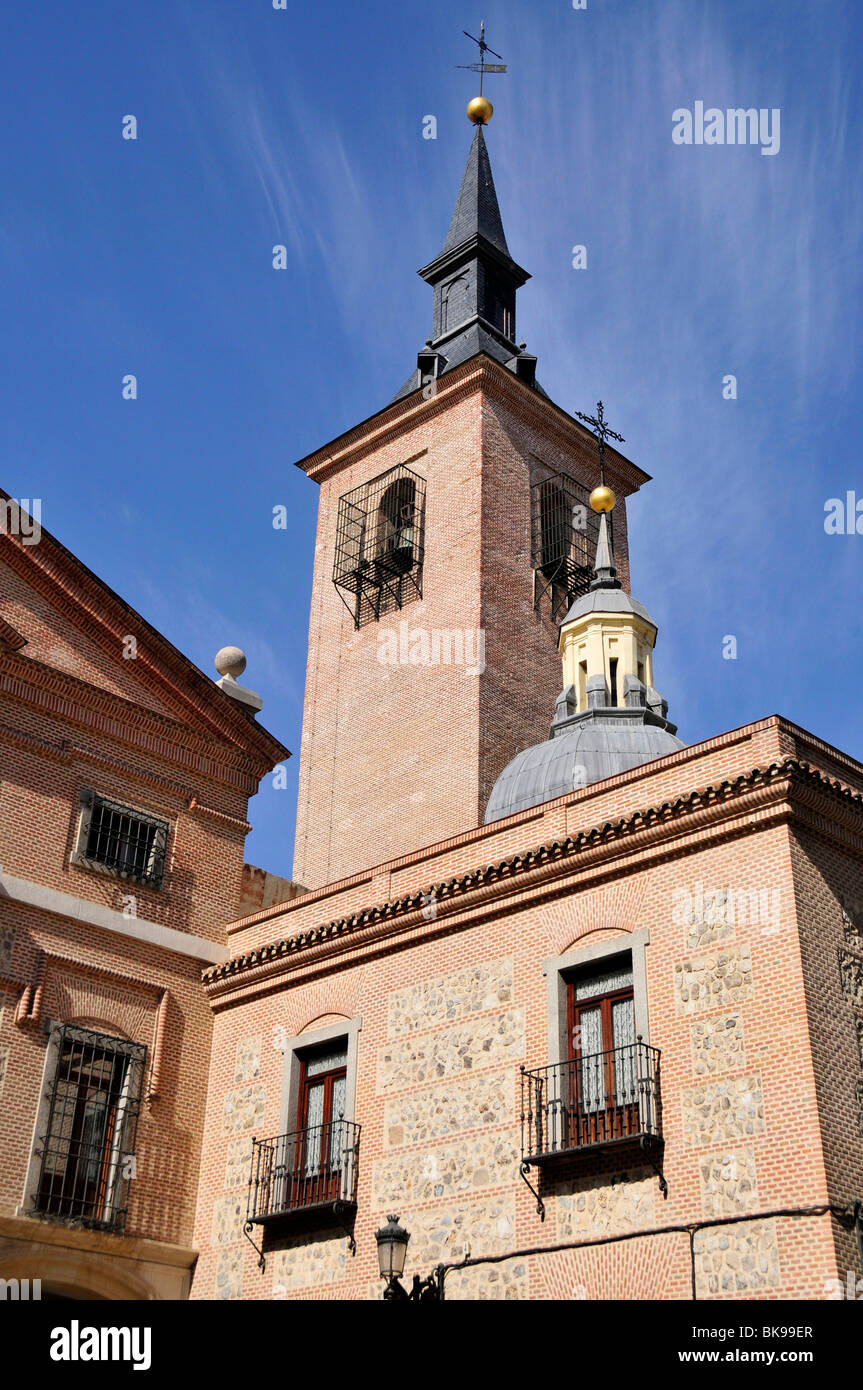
x: 310, y: 1169
x: 602, y: 1098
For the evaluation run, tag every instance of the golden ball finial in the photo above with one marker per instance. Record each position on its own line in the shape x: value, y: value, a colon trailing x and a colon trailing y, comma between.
x: 480, y: 110
x: 602, y: 499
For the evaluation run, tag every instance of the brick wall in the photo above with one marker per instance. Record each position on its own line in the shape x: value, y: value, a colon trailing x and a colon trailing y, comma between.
x: 162, y: 1194
x: 77, y: 716
x: 452, y: 1006
x: 702, y: 765
x: 829, y: 894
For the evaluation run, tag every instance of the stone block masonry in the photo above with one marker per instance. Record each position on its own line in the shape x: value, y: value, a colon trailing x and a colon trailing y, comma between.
x: 718, y: 1044
x: 307, y: 1263
x: 452, y: 997
x: 442, y: 1111
x: 713, y: 980
x: 450, y: 1052
x: 449, y: 1171
x: 588, y: 1208
x: 738, y: 1261
x: 724, y: 1110
x: 244, y: 1108
x: 728, y: 1182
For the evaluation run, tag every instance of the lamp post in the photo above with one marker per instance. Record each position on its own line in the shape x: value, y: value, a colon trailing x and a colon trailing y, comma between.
x: 392, y: 1242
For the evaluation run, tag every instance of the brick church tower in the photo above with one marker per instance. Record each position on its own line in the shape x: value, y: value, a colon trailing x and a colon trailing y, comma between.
x: 453, y: 535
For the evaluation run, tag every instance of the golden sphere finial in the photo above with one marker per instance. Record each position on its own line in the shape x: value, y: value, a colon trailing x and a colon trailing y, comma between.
x: 602, y: 499
x: 480, y: 110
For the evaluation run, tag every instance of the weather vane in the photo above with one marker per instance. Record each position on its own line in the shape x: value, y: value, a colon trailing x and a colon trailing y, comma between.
x: 599, y: 427
x: 482, y: 67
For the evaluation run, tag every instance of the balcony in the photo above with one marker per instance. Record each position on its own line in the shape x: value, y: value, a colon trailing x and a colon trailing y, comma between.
x: 307, y: 1175
x: 605, y: 1098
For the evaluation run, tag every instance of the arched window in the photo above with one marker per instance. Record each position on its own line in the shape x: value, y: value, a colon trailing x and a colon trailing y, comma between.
x: 395, y: 528
x: 451, y: 295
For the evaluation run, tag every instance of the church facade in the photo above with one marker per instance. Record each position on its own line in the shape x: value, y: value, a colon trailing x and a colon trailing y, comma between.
x: 578, y: 1004
x: 125, y: 775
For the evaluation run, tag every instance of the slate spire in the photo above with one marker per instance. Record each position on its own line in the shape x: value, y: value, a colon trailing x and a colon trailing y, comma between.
x: 604, y: 572
x: 475, y: 280
x: 476, y: 209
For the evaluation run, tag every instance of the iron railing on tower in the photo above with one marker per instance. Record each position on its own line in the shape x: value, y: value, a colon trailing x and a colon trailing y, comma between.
x: 380, y: 544
x: 564, y: 535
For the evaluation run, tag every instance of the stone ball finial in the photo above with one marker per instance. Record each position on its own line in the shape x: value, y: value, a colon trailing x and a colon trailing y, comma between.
x: 230, y: 661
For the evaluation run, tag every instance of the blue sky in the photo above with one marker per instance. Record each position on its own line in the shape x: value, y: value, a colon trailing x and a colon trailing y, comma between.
x: 304, y: 127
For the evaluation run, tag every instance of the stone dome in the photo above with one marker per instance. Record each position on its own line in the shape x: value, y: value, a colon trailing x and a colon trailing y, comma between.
x: 584, y: 752
x: 607, y: 601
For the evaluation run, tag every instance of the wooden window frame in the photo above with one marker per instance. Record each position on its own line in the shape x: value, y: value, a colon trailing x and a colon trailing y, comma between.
x: 614, y: 1117
x: 324, y: 1184
x: 602, y: 956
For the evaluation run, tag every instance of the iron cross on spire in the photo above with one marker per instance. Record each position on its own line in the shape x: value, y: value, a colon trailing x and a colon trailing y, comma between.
x: 482, y: 67
x: 601, y: 431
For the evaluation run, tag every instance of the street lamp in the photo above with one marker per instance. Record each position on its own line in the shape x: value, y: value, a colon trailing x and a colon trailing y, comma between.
x: 392, y: 1242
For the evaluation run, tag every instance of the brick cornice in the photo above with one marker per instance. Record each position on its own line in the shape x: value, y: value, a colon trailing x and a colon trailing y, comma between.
x: 113, y: 716
x: 11, y: 639
x: 66, y: 752
x: 477, y: 834
x: 479, y: 373
x: 818, y: 745
x: 60, y: 752
x: 198, y: 808
x: 74, y: 590
x: 749, y: 800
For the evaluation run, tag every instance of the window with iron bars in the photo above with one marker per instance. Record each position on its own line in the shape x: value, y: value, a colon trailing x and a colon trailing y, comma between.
x: 379, y: 545
x: 86, y: 1156
x: 117, y: 839
x: 564, y: 534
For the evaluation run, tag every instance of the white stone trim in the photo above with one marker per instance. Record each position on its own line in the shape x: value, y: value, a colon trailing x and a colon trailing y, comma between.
x: 40, y: 1125
x: 555, y: 968
x: 349, y: 1029
x: 95, y: 915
